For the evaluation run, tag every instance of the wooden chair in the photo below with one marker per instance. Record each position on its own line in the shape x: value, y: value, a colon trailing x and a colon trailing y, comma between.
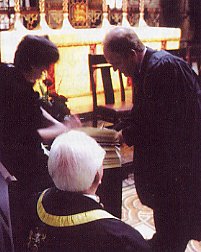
x: 194, y: 58
x: 191, y: 54
x: 180, y: 52
x: 113, y: 110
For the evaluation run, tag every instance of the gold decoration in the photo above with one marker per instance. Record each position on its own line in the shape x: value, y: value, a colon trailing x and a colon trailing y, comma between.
x: 17, y: 6
x: 124, y: 5
x: 65, y: 6
x: 42, y: 6
x: 70, y: 220
x: 80, y: 12
x: 141, y: 6
x: 31, y: 19
x: 104, y: 6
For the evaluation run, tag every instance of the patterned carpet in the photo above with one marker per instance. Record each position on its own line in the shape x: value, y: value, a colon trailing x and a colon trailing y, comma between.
x: 141, y: 217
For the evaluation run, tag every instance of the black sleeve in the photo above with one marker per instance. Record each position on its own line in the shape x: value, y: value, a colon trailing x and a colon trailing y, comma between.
x: 161, y: 112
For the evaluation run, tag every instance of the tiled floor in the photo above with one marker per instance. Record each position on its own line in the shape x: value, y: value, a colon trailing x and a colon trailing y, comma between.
x: 140, y: 217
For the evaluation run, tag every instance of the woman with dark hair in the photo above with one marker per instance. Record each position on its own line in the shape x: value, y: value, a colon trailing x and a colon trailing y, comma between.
x: 35, y: 51
x: 24, y: 125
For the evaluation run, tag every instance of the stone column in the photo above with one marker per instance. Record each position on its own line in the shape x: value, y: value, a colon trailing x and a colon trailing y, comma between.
x: 105, y: 21
x: 124, y: 13
x: 141, y: 19
x: 43, y: 23
x: 66, y: 24
x: 18, y: 23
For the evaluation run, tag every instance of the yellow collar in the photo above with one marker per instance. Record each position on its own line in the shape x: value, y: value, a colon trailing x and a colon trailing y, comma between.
x: 70, y: 220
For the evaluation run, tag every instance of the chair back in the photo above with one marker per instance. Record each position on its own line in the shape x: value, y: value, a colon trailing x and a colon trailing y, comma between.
x: 194, y: 58
x: 191, y: 54
x: 98, y: 61
x: 180, y: 52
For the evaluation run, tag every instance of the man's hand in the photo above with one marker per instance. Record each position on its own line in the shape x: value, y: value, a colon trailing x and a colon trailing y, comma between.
x: 119, y: 136
x: 56, y: 128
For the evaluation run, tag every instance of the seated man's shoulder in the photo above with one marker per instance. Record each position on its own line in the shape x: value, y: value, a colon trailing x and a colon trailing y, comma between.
x: 125, y: 237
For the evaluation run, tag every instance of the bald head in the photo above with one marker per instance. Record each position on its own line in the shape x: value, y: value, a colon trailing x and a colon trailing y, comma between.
x: 122, y: 40
x: 123, y: 50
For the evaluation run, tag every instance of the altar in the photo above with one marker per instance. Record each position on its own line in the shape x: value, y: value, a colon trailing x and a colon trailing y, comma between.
x: 71, y: 73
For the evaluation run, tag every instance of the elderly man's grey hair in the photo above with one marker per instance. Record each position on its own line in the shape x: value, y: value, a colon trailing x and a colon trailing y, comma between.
x: 74, y: 160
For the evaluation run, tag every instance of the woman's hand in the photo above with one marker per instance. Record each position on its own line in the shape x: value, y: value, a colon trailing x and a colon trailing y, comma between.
x: 72, y: 122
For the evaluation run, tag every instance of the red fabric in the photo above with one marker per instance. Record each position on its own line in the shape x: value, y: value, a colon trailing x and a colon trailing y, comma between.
x: 51, y: 77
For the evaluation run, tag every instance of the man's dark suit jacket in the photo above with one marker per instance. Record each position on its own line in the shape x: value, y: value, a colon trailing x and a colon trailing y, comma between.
x: 165, y: 130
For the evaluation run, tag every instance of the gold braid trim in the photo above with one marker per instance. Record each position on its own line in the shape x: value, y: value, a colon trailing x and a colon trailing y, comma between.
x: 70, y: 220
